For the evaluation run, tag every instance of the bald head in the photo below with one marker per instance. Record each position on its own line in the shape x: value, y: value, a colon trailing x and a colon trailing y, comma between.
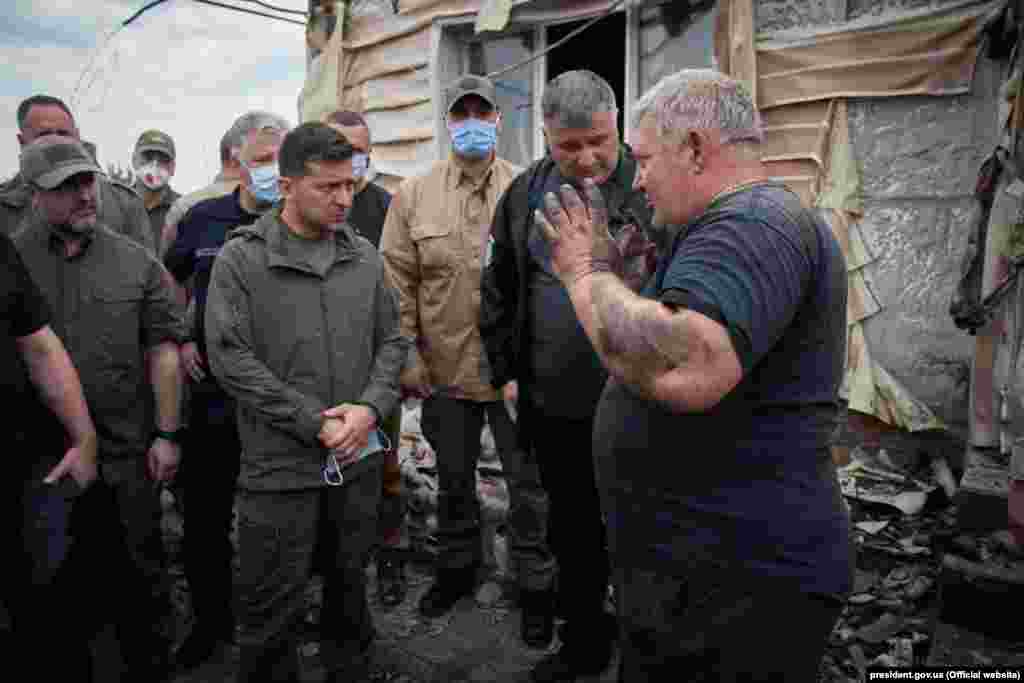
x: 44, y: 115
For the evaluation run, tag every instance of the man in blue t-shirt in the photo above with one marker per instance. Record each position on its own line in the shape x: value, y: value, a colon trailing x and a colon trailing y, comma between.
x: 711, y: 437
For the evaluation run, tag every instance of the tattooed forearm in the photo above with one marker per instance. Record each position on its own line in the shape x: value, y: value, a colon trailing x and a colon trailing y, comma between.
x: 639, y: 338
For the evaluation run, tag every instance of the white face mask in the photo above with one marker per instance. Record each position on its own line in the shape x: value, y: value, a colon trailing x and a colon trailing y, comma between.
x: 153, y: 175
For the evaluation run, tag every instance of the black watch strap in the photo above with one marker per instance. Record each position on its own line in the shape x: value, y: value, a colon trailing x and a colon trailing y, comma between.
x: 173, y: 437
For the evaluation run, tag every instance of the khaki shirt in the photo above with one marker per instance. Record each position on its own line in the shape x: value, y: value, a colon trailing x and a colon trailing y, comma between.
x: 433, y: 244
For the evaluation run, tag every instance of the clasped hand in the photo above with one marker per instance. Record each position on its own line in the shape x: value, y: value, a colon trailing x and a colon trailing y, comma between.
x: 346, y: 431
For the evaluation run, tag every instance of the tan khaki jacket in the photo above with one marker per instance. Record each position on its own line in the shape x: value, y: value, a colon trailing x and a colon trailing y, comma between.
x: 434, y: 243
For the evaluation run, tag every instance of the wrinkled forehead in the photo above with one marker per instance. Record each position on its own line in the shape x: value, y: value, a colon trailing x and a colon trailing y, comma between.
x: 603, y: 124
x: 260, y: 145
x: 48, y: 120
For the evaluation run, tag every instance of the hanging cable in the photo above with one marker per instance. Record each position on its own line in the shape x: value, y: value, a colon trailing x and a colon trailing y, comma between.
x: 572, y: 34
x: 232, y: 7
x: 137, y: 14
x: 276, y: 8
x: 249, y: 11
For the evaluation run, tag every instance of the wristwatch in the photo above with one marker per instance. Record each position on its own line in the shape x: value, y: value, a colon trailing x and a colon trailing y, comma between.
x: 173, y: 437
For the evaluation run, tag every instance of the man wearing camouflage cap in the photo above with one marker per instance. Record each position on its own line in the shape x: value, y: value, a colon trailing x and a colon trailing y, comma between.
x: 433, y: 245
x: 119, y: 208
x: 153, y: 161
x: 115, y: 312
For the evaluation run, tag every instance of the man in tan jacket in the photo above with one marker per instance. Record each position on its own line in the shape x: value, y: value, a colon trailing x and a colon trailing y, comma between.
x: 434, y: 244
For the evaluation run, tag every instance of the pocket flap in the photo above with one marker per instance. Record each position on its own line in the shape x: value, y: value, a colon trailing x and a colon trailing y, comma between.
x: 427, y: 230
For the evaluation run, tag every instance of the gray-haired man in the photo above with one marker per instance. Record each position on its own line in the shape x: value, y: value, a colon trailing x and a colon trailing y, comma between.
x: 711, y: 437
x: 534, y: 340
x: 223, y: 183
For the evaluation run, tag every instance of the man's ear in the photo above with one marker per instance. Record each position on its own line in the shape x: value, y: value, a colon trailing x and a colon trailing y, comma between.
x: 171, y: 168
x: 286, y: 185
x: 700, y: 145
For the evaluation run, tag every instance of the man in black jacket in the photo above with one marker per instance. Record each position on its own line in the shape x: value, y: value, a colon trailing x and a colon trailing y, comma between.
x: 541, y: 357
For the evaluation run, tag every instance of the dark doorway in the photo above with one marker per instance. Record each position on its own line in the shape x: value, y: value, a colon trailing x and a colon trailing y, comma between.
x: 601, y: 49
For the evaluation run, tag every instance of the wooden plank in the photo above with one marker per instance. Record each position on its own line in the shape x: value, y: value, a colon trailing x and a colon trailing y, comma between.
x: 405, y: 54
x: 742, y: 57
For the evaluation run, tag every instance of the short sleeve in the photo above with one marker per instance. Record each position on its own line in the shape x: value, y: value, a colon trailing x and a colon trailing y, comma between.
x: 744, y: 273
x: 28, y: 311
x: 163, y: 317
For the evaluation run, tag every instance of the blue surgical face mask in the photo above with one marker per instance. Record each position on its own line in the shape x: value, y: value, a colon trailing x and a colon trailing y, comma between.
x: 265, y: 187
x: 473, y: 138
x: 360, y: 164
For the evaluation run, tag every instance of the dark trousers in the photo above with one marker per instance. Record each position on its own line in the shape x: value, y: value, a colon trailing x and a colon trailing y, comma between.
x: 453, y: 428
x: 125, y: 551
x: 38, y: 588
x: 392, y: 504
x: 279, y: 533
x: 723, y: 629
x: 576, y: 529
x: 209, y: 477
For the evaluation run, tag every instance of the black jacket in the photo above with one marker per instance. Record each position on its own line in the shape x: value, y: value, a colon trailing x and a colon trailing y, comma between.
x: 504, y: 295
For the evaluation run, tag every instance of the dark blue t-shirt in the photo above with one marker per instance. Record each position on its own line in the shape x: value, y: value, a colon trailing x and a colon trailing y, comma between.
x: 201, y: 234
x: 748, y: 485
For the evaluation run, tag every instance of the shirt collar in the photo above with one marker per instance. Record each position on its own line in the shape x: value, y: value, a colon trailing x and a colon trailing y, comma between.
x: 457, y: 175
x: 166, y: 196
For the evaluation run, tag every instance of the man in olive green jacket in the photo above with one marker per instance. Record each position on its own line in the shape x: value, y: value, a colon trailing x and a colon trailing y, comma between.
x: 302, y: 329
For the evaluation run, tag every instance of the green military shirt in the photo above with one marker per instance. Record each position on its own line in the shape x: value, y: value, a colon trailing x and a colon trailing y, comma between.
x: 158, y: 212
x: 110, y: 302
x: 120, y: 209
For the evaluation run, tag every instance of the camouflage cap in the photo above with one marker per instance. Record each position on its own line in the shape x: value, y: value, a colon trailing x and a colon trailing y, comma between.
x: 155, y: 141
x: 51, y: 159
x: 469, y: 85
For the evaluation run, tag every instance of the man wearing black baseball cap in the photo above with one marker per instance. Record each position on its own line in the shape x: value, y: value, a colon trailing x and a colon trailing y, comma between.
x: 434, y: 245
x: 115, y: 312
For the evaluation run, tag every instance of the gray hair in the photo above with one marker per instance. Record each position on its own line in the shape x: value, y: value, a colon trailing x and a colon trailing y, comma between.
x: 245, y: 124
x: 572, y: 99
x: 701, y: 99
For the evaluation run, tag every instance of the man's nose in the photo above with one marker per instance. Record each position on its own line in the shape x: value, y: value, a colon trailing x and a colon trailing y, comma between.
x: 586, y: 158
